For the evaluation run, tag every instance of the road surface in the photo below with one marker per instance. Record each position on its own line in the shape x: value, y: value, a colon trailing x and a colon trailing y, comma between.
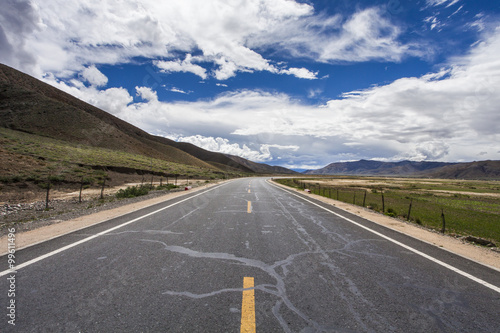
x: 244, y: 256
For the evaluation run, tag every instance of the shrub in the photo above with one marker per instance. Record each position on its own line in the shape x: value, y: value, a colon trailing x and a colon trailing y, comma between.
x: 133, y: 191
x: 391, y: 212
x: 167, y: 187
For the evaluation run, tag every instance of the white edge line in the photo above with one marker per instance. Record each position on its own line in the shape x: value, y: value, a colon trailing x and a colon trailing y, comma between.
x: 64, y: 248
x: 439, y: 262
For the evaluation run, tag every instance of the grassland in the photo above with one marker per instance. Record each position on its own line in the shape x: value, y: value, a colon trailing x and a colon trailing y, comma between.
x: 468, y: 207
x: 28, y: 157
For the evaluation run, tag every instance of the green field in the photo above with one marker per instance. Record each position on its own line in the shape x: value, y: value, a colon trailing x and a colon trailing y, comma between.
x: 469, y: 207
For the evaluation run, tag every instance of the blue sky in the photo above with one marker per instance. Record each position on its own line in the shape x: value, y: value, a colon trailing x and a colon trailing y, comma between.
x: 299, y: 84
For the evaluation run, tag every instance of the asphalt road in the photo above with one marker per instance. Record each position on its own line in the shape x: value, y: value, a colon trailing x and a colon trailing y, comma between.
x: 180, y: 266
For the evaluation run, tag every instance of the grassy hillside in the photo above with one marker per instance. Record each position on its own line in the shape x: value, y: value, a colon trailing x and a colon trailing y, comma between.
x: 29, y: 105
x: 29, y: 157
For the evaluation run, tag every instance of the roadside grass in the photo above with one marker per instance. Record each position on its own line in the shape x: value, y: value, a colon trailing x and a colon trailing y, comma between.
x: 76, y: 161
x: 476, y: 215
x: 133, y: 191
x: 144, y: 189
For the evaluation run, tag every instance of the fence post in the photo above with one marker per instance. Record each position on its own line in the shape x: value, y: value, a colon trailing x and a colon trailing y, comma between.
x: 81, y: 189
x: 364, y: 200
x: 47, y: 197
x: 409, y: 209
x: 383, y: 203
x: 444, y: 222
x: 102, y: 188
x: 354, y: 199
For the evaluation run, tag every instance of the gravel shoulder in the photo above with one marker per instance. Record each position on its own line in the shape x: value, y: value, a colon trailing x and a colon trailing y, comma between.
x: 41, y: 230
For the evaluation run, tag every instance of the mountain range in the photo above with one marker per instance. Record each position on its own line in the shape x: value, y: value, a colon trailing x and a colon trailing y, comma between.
x: 470, y: 170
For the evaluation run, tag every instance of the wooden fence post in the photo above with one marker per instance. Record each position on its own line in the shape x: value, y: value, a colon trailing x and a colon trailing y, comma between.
x: 444, y: 222
x: 364, y: 200
x: 47, y: 196
x: 383, y: 203
x: 102, y: 189
x: 409, y: 209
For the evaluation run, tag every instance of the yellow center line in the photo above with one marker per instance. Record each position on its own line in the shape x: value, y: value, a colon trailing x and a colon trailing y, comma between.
x: 249, y: 207
x: 248, y: 306
x: 248, y: 190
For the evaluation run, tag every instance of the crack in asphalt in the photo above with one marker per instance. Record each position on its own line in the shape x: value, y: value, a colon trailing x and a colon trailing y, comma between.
x: 280, y: 289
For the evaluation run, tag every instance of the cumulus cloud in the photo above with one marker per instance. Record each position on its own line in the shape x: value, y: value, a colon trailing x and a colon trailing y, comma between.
x: 222, y: 145
x: 449, y: 115
x: 185, y: 65
x: 227, y: 36
x: 92, y: 75
x: 18, y: 20
x: 302, y: 73
x: 366, y: 35
x: 147, y: 94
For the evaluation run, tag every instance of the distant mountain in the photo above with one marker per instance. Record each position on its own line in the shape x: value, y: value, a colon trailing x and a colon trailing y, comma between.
x: 377, y: 168
x: 260, y: 167
x: 32, y: 106
x: 472, y: 170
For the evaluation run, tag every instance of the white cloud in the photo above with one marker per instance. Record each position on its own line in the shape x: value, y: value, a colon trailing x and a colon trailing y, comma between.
x: 433, y: 22
x: 301, y: 73
x: 366, y: 35
x: 224, y: 146
x: 94, y: 76
x: 436, y: 2
x: 225, y: 34
x: 185, y: 65
x: 449, y: 115
x: 177, y: 90
x: 147, y: 94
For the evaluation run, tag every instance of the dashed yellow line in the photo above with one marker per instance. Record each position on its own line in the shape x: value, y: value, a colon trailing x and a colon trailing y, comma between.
x: 248, y: 306
x: 248, y: 190
x: 249, y: 207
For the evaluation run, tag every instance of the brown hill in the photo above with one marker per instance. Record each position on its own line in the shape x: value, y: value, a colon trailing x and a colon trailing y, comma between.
x: 261, y: 168
x: 472, y: 170
x: 377, y: 168
x: 32, y: 106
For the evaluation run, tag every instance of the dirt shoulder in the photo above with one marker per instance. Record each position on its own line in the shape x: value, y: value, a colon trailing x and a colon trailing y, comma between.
x: 470, y: 251
x: 41, y: 234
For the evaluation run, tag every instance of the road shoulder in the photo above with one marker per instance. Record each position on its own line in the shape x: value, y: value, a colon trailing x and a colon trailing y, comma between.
x: 484, y: 256
x: 48, y: 232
